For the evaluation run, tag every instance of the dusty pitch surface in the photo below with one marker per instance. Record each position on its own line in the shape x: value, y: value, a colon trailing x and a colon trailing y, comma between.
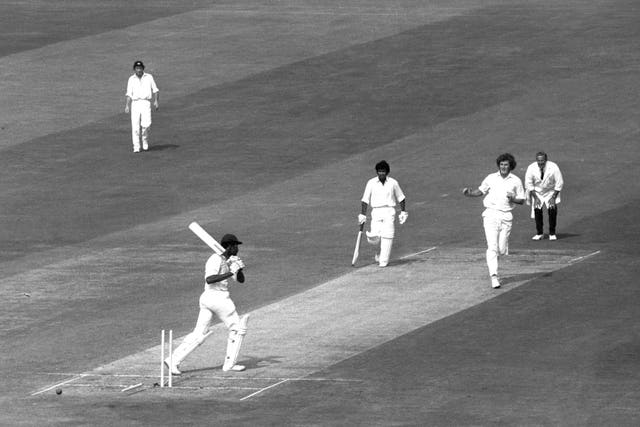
x: 295, y: 338
x: 271, y: 118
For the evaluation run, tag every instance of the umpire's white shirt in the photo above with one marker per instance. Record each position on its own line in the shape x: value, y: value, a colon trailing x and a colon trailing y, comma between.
x: 544, y: 187
x: 378, y: 195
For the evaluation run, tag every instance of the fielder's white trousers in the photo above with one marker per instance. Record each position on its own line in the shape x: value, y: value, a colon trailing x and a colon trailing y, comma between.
x: 140, y: 123
x: 497, y: 228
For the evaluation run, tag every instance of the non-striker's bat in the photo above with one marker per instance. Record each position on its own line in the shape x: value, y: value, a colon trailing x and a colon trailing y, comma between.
x: 356, y: 251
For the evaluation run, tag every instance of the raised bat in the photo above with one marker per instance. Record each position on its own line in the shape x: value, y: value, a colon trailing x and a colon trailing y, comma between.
x: 206, y: 238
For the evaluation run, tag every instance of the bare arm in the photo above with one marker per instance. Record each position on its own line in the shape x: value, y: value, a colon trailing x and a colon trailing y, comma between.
x: 469, y: 192
x: 215, y: 278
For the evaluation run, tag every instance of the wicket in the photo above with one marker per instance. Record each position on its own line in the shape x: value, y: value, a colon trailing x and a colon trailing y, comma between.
x: 170, y: 356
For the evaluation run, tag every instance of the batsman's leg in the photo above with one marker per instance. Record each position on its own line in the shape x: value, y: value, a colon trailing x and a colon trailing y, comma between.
x: 385, y: 251
x: 237, y: 332
x: 191, y: 341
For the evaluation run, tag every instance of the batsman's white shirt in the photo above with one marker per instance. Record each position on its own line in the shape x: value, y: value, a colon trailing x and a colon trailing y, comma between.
x: 379, y: 195
x: 383, y: 198
x: 216, y: 265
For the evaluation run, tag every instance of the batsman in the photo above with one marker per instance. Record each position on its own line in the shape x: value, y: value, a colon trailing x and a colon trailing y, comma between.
x: 382, y: 193
x: 216, y: 300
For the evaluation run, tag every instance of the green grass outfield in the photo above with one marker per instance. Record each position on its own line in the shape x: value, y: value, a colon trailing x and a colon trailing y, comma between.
x: 272, y: 117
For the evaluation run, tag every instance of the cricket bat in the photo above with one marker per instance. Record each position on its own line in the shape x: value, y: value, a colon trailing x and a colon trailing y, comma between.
x: 356, y: 251
x: 206, y: 237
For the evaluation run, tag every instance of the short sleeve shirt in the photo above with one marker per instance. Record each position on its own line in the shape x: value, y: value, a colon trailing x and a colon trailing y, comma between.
x: 216, y: 265
x: 378, y: 195
x: 495, y: 188
x: 141, y: 88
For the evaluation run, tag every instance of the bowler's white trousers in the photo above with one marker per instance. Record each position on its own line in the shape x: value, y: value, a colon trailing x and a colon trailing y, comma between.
x: 497, y: 228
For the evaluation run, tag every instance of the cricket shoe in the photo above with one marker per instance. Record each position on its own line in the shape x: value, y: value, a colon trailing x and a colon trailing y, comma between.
x: 552, y: 237
x: 236, y: 368
x: 495, y: 283
x: 537, y: 237
x: 377, y: 258
x: 173, y: 369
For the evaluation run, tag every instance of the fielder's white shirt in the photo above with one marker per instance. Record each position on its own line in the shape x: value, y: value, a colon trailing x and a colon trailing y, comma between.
x: 216, y: 265
x: 378, y: 195
x: 544, y: 187
x: 141, y: 88
x: 496, y: 188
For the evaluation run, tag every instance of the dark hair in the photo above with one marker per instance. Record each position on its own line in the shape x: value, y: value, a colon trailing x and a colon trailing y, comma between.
x: 383, y: 166
x: 507, y: 156
x: 542, y: 153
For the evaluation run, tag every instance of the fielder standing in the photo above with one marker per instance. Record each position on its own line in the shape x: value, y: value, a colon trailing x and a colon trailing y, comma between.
x: 141, y: 91
x: 382, y: 193
x: 502, y: 190
x: 543, y: 183
x: 215, y: 300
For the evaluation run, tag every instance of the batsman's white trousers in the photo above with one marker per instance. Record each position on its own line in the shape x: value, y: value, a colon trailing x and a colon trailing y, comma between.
x: 140, y: 123
x: 497, y: 228
x: 383, y: 222
x: 211, y: 302
x: 219, y: 303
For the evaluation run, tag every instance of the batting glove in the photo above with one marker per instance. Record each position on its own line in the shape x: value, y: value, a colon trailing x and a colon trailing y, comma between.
x: 236, y: 266
x: 362, y: 219
x: 402, y: 218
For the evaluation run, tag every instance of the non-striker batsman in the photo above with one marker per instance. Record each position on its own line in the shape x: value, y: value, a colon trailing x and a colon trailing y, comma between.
x: 383, y: 194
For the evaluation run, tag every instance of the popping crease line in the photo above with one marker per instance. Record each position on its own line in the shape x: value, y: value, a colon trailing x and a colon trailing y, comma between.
x: 582, y: 258
x: 57, y: 385
x: 420, y: 252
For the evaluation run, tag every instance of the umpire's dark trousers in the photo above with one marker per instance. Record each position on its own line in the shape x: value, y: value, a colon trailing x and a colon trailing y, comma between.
x: 553, y: 217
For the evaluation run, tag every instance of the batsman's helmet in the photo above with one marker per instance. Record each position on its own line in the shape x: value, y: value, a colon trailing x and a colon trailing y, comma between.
x: 138, y: 64
x: 229, y: 239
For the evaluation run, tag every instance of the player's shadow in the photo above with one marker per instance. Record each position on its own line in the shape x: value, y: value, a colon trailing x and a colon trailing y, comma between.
x: 161, y: 147
x: 562, y: 236
x: 248, y: 362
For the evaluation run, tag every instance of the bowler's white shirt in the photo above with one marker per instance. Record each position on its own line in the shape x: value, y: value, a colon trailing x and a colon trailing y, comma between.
x: 544, y: 187
x: 141, y: 88
x: 216, y: 265
x: 496, y: 188
x: 377, y: 195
